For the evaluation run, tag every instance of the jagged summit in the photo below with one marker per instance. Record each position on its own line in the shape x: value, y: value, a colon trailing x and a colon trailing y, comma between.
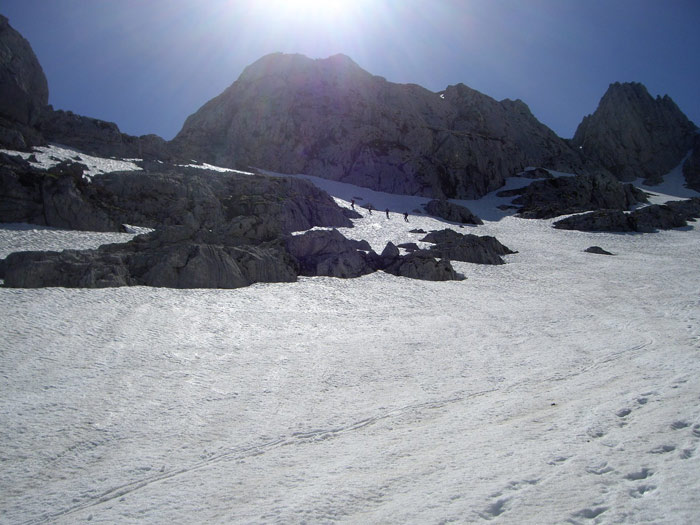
x: 632, y: 134
x: 329, y: 117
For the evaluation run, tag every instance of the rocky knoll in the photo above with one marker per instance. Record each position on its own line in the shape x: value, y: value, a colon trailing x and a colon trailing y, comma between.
x: 449, y: 244
x: 547, y: 198
x: 451, y: 212
x: 23, y: 88
x: 632, y: 134
x: 173, y: 195
x: 330, y: 118
x: 673, y: 214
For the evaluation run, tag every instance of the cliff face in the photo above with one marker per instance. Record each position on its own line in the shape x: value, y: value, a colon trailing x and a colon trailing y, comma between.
x: 24, y: 89
x: 330, y: 118
x: 633, y: 135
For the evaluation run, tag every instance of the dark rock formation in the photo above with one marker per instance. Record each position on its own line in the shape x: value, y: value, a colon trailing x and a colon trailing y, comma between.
x: 691, y: 167
x: 330, y: 118
x: 466, y: 247
x: 597, y: 250
x: 451, y: 212
x: 174, y: 195
x: 544, y: 199
x: 634, y: 135
x: 174, y: 257
x: 323, y: 252
x: 23, y: 87
x: 423, y: 265
x: 98, y: 137
x: 673, y: 214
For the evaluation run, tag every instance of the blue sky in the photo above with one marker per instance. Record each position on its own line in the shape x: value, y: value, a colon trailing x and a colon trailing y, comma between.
x: 148, y: 64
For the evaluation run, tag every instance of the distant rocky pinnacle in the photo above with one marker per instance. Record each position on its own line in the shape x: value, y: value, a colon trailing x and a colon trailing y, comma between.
x: 330, y: 118
x: 633, y: 135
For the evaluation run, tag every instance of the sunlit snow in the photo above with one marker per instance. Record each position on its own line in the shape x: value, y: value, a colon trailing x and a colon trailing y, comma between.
x: 46, y: 157
x: 561, y: 387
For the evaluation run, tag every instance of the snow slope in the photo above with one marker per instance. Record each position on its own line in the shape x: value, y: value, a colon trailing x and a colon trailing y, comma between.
x: 562, y: 387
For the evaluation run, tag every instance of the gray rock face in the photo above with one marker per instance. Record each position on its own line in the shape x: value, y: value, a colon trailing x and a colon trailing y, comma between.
x: 451, y: 212
x: 173, y: 196
x: 23, y: 84
x: 330, y: 253
x: 691, y: 167
x: 467, y: 248
x: 673, y: 214
x: 98, y: 137
x: 634, y: 135
x: 422, y: 265
x: 175, y: 257
x: 548, y: 198
x: 330, y: 118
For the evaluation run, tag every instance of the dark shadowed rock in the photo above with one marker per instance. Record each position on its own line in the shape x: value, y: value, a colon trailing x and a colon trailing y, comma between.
x: 330, y: 118
x: 23, y: 84
x: 174, y: 195
x: 423, y: 265
x: 691, y: 167
x: 330, y: 253
x: 451, y: 212
x: 99, y: 137
x: 632, y: 134
x: 673, y: 214
x: 598, y: 250
x: 544, y: 199
x: 467, y: 248
x: 174, y: 257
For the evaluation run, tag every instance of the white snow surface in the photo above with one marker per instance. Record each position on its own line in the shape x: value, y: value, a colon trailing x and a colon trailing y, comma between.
x: 46, y: 157
x: 561, y: 387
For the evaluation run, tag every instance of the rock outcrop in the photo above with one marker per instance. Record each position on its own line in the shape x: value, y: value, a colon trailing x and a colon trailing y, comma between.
x: 99, y: 137
x: 633, y: 135
x: 451, y: 245
x: 332, y: 119
x: 673, y: 214
x: 24, y: 89
x: 174, y: 195
x: 451, y: 212
x: 547, y: 198
x: 691, y: 167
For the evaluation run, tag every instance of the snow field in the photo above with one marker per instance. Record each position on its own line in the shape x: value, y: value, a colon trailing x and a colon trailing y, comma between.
x: 562, y: 387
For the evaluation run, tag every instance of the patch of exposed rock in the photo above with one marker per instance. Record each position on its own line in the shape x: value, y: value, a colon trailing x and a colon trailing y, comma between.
x: 673, y: 214
x: 330, y: 118
x: 61, y: 197
x: 691, y: 167
x: 547, y: 198
x: 451, y: 212
x: 632, y: 134
x: 470, y: 248
x: 597, y: 250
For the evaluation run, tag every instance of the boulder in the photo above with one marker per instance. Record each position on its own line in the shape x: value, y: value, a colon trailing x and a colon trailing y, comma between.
x: 451, y: 212
x: 466, y: 247
x: 422, y: 265
x: 544, y: 199
x: 597, y: 250
x: 330, y: 253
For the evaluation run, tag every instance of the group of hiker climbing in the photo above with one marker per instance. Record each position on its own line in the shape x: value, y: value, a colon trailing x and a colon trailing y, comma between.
x: 370, y: 208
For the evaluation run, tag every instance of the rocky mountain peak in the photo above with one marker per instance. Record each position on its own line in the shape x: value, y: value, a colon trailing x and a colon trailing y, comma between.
x: 25, y: 91
x: 633, y: 134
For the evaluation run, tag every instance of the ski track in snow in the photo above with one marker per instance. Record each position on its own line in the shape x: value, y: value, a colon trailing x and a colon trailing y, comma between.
x: 562, y: 387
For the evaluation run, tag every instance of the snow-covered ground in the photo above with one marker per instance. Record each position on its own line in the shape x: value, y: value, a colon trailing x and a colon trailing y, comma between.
x: 562, y: 387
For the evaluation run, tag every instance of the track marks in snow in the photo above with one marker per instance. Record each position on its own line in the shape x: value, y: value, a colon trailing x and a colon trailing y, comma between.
x: 501, y: 500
